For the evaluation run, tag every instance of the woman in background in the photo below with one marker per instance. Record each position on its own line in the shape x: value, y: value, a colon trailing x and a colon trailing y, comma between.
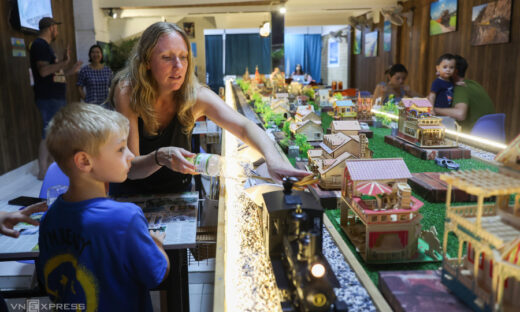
x: 94, y: 78
x: 395, y: 78
x: 299, y: 75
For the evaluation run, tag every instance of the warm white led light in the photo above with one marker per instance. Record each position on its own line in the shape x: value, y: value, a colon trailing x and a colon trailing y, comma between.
x: 318, y: 270
x: 468, y: 137
x: 475, y: 139
x: 391, y: 116
x: 283, y: 10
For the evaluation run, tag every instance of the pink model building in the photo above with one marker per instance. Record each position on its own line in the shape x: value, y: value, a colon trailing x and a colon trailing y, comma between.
x: 379, y: 215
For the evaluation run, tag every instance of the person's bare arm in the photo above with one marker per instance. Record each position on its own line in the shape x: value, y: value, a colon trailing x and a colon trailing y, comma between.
x: 158, y: 238
x: 9, y: 219
x: 73, y: 69
x: 145, y: 165
x: 458, y: 112
x: 431, y: 97
x: 210, y: 105
x: 410, y: 93
x: 81, y: 91
x: 45, y: 69
x: 378, y: 92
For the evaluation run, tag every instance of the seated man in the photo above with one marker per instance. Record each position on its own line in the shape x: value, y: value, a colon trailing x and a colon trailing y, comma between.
x: 470, y: 101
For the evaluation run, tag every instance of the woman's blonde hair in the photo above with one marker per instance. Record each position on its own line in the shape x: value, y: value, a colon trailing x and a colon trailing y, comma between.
x: 144, y: 86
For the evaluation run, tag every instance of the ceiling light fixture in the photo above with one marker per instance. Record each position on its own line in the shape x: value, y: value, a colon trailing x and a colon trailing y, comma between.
x: 283, y: 10
x: 265, y: 29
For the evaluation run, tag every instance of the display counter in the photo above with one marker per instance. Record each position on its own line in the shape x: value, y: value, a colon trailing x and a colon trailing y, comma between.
x: 244, y: 279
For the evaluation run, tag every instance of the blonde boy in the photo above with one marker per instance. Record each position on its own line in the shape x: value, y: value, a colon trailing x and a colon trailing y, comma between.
x: 96, y: 254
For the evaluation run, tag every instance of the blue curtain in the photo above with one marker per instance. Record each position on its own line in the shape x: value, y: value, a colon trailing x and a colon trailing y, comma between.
x: 214, y: 55
x: 304, y: 50
x: 247, y: 50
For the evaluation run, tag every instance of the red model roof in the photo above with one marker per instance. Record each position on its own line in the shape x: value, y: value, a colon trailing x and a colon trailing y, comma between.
x: 377, y: 169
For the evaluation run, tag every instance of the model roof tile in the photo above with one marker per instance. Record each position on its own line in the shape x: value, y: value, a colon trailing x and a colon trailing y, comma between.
x: 419, y: 102
x: 377, y: 169
x: 346, y: 125
x: 297, y: 125
x: 333, y: 162
x: 336, y: 139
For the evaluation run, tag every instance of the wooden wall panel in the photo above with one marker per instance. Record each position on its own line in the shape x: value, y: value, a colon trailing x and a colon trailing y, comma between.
x: 20, y: 121
x: 361, y: 66
x: 496, y: 67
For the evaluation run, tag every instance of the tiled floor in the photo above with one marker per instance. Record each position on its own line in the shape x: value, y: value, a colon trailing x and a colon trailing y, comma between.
x: 22, y: 181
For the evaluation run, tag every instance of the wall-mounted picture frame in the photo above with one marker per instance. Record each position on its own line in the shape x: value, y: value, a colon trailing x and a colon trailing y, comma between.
x: 357, y: 41
x: 371, y: 44
x: 387, y: 36
x: 491, y: 23
x: 333, y: 53
x: 443, y: 16
x: 189, y: 29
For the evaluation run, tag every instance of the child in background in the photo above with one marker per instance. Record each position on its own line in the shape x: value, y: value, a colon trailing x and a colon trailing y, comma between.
x: 96, y: 254
x: 441, y: 93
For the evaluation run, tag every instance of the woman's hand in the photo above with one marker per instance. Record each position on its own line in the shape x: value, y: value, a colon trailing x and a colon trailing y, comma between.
x: 278, y: 168
x: 175, y: 159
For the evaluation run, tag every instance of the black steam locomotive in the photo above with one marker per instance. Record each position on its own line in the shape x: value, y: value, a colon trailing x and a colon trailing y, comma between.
x: 292, y: 228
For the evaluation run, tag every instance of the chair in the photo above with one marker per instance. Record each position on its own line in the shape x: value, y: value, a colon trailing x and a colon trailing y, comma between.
x: 490, y: 127
x: 54, y: 176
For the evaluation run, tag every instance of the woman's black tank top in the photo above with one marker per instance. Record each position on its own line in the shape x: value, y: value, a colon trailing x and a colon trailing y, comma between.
x: 163, y: 180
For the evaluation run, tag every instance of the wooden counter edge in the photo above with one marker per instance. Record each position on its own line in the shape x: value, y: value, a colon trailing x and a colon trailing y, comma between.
x: 379, y: 301
x: 219, y: 298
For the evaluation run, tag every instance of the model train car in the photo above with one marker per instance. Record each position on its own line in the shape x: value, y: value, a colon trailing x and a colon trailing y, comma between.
x: 292, y: 229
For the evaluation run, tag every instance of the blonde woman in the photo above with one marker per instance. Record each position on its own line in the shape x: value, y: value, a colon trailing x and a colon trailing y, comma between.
x: 160, y: 96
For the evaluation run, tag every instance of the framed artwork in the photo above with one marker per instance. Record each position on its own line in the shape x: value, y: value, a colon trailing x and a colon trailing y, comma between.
x: 333, y: 55
x: 387, y: 36
x: 443, y: 16
x: 491, y: 23
x: 371, y: 44
x: 189, y: 29
x: 357, y: 41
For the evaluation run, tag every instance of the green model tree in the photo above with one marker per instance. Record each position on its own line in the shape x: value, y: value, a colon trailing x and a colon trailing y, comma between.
x: 267, y: 115
x: 287, y: 129
x: 309, y: 92
x: 301, y: 141
x: 306, y: 146
x: 338, y: 96
x: 278, y: 119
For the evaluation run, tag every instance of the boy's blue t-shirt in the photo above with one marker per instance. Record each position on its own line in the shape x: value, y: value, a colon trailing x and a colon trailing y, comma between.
x: 98, y: 252
x: 444, y: 92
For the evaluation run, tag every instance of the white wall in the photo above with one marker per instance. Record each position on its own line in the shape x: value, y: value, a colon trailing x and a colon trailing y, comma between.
x: 84, y: 28
x: 339, y: 73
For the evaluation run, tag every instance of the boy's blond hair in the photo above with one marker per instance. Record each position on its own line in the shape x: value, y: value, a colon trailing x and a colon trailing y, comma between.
x: 82, y: 127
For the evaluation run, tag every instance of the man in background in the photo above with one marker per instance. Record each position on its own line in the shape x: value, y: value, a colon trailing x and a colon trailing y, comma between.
x: 470, y: 99
x: 49, y: 81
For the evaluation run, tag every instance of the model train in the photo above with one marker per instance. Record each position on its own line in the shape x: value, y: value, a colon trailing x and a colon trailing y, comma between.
x: 292, y: 229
